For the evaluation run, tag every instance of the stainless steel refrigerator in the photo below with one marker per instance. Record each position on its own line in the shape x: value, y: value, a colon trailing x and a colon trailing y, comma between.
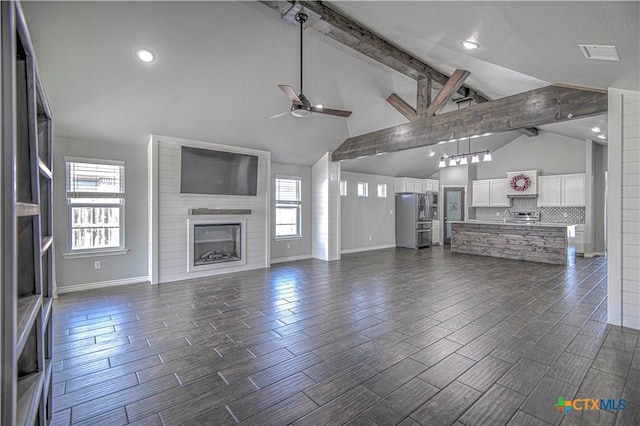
x: 414, y: 215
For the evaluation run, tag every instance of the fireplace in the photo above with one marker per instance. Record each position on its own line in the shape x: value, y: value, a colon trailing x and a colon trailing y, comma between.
x: 216, y: 243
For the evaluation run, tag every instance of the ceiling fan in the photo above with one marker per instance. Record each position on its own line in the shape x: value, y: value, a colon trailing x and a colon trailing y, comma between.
x: 301, y: 107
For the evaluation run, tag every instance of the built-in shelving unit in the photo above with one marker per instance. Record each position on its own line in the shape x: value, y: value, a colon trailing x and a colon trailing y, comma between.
x: 27, y: 229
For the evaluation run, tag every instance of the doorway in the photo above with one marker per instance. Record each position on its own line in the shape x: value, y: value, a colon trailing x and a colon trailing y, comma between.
x: 453, y: 209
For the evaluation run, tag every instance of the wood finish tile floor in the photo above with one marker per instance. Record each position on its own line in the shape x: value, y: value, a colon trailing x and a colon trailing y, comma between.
x: 386, y: 337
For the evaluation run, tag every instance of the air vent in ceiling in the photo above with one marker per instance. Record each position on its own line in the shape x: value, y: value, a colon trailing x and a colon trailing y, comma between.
x: 603, y: 53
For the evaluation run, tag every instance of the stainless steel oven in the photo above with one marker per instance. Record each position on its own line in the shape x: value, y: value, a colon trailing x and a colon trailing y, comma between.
x: 423, y: 234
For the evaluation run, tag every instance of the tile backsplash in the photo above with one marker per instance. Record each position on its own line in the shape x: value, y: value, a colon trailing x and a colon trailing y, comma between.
x: 547, y: 214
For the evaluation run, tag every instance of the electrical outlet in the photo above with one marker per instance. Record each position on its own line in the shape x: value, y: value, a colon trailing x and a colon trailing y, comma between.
x: 565, y: 215
x: 288, y: 245
x: 391, y: 212
x: 369, y: 237
x: 97, y: 264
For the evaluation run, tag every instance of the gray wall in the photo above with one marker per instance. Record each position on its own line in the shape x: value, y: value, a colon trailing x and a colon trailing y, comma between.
x: 298, y: 247
x: 549, y: 153
x: 601, y: 160
x: 456, y: 175
x: 133, y: 264
x: 371, y: 216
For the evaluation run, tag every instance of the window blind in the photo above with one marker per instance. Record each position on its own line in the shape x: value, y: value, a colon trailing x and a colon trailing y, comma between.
x: 86, y: 179
x: 288, y: 189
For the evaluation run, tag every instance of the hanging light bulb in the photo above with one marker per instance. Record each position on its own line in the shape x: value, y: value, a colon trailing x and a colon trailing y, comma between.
x: 487, y: 156
x: 452, y: 162
x: 475, y: 158
x: 463, y: 161
x: 442, y: 162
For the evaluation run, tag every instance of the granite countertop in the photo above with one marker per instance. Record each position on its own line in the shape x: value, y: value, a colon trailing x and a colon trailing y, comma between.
x: 500, y: 222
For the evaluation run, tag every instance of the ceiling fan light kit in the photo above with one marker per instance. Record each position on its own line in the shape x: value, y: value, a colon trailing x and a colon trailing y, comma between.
x: 300, y: 111
x: 300, y: 105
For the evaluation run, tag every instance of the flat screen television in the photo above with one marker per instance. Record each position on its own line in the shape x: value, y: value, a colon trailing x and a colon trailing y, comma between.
x: 205, y: 171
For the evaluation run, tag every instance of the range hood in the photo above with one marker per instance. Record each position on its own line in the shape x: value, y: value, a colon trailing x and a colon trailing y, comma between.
x: 522, y: 183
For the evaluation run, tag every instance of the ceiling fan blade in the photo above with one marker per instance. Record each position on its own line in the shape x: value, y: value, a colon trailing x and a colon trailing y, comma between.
x: 330, y: 111
x: 291, y: 94
x: 278, y: 115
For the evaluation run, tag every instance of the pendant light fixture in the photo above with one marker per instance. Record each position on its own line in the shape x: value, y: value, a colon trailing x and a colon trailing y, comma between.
x: 463, y: 159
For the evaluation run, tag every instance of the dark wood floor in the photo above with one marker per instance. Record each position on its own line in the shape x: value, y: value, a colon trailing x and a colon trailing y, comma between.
x: 393, y: 336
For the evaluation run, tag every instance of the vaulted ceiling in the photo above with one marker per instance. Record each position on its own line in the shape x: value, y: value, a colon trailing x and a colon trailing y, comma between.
x: 219, y: 63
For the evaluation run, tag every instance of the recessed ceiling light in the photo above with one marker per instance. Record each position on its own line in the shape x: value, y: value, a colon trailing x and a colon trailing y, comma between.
x: 431, y: 154
x: 595, y: 129
x: 145, y: 55
x: 602, y: 136
x: 320, y: 106
x: 470, y: 44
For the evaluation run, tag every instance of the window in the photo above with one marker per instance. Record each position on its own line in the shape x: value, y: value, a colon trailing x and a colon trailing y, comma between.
x: 343, y: 188
x: 288, y: 207
x: 382, y: 190
x: 363, y: 189
x: 95, y: 199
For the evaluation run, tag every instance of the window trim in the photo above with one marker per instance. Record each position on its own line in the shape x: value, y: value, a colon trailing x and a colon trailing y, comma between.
x: 101, y: 251
x: 365, y: 186
x: 382, y: 186
x: 344, y: 188
x: 287, y: 204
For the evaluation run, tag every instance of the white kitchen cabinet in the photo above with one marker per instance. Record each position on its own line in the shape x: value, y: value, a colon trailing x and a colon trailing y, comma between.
x: 415, y: 186
x: 424, y: 185
x: 573, y: 190
x: 579, y: 240
x: 562, y: 190
x: 489, y: 193
x: 498, y: 193
x: 435, y: 232
x: 400, y: 185
x: 549, y: 191
x: 407, y: 185
x: 481, y: 193
x: 431, y: 185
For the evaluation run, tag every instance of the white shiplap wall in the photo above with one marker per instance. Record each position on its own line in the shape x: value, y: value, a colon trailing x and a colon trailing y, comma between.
x: 170, y: 235
x: 325, y: 183
x: 624, y: 208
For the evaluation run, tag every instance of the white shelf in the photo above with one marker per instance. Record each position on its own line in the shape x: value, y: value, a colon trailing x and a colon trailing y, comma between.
x: 28, y: 309
x: 29, y: 392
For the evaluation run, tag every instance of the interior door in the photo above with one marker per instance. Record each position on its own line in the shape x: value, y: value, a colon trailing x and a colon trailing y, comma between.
x: 453, y: 209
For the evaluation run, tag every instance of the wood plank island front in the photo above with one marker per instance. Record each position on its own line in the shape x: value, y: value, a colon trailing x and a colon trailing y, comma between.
x: 545, y: 243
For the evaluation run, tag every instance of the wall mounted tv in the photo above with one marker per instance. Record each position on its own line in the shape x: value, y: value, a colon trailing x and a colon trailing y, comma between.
x: 205, y: 171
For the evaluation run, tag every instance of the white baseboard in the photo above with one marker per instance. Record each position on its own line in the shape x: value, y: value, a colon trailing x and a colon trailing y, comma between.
x: 100, y: 284
x: 357, y: 250
x: 291, y: 258
x: 594, y: 254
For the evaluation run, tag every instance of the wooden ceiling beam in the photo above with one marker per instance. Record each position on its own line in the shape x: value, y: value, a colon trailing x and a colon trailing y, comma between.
x: 446, y: 93
x: 425, y: 86
x: 403, y: 108
x: 348, y: 32
x: 351, y: 34
x: 547, y: 105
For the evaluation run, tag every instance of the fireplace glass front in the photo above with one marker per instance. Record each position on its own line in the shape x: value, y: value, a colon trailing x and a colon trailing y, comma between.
x: 217, y: 243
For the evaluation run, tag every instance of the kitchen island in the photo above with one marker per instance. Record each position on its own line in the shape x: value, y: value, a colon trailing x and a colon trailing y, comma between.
x: 540, y: 242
